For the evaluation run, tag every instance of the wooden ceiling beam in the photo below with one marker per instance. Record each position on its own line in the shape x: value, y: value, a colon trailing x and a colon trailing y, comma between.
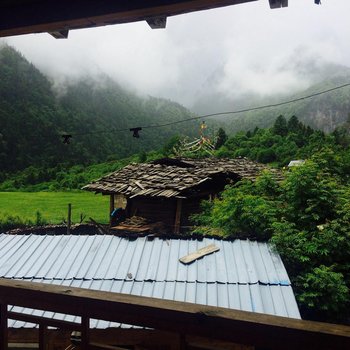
x: 35, y: 16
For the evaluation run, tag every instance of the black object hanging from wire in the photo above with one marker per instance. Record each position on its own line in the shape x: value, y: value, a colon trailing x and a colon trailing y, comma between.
x: 318, y: 2
x: 136, y: 132
x: 66, y: 138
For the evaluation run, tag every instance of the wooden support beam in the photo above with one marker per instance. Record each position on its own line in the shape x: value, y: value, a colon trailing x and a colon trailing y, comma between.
x: 21, y: 346
x: 85, y: 333
x: 111, y: 208
x: 3, y: 327
x: 240, y: 327
x: 69, y: 218
x: 42, y: 337
x: 178, y: 215
x: 274, y: 4
x: 157, y: 23
x: 147, y: 338
x: 61, y: 34
x: 214, y: 344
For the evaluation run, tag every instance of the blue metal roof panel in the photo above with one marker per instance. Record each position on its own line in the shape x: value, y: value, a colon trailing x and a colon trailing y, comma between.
x: 110, y: 257
x: 242, y: 275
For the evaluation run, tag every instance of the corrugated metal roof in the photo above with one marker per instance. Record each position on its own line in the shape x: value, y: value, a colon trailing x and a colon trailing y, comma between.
x: 243, y: 274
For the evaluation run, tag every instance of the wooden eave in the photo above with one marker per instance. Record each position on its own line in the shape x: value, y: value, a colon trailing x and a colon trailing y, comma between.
x: 58, y: 16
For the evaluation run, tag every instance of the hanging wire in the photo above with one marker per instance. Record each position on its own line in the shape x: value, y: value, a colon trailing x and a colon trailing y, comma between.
x: 135, y: 130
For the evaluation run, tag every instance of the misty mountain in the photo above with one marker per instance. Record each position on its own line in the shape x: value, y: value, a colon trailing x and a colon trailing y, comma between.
x: 324, y: 112
x: 33, y: 117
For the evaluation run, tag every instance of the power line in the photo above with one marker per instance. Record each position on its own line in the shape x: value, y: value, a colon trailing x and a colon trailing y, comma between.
x: 271, y: 105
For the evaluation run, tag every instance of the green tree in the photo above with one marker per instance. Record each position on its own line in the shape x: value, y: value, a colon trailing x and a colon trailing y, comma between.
x: 221, y: 138
x: 142, y: 157
x: 168, y: 148
x: 307, y: 218
x: 294, y: 125
x: 280, y: 126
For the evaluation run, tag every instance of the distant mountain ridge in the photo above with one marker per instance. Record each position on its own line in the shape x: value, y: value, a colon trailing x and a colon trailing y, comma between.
x: 324, y: 112
x: 32, y: 118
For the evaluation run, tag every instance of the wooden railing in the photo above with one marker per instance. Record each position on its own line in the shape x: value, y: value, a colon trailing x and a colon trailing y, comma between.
x: 185, y: 319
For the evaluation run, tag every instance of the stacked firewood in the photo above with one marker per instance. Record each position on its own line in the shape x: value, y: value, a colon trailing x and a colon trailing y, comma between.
x: 136, y: 221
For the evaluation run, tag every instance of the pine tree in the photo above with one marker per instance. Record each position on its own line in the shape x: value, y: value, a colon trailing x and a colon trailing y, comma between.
x: 221, y: 138
x: 293, y: 124
x: 280, y: 126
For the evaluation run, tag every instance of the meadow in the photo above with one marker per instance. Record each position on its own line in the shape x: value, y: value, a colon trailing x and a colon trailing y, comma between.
x: 25, y: 208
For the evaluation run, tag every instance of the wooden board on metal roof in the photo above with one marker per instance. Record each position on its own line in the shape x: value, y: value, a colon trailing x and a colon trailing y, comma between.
x: 211, y: 248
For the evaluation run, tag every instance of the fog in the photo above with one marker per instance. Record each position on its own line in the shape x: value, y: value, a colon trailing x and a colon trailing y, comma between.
x: 235, y: 50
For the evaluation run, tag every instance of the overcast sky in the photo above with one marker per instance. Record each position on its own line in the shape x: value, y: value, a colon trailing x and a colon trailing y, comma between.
x: 235, y: 49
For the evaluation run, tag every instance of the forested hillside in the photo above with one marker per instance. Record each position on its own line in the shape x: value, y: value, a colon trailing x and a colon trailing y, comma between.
x: 32, y: 119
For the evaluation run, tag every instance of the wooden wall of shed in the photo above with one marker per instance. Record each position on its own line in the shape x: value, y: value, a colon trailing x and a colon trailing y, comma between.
x: 153, y: 209
x: 191, y: 206
x: 164, y: 210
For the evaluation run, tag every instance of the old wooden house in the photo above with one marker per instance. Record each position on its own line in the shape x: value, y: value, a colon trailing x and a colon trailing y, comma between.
x: 169, y: 191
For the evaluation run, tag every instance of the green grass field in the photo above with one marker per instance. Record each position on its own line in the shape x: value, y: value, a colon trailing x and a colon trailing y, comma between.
x: 53, y: 206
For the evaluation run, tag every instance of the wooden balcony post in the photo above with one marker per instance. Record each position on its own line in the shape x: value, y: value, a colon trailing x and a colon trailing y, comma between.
x: 183, y: 344
x: 178, y: 215
x: 42, y: 337
x: 85, y: 333
x: 69, y: 218
x: 3, y: 327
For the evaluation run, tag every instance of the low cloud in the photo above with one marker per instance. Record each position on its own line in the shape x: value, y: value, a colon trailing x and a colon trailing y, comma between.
x: 240, y: 49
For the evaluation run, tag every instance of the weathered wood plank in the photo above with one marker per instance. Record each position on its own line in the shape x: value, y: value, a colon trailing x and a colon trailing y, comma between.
x: 138, y: 183
x: 213, y: 344
x: 3, y: 327
x: 42, y: 337
x: 191, y: 319
x: 21, y: 346
x: 98, y: 346
x: 199, y: 253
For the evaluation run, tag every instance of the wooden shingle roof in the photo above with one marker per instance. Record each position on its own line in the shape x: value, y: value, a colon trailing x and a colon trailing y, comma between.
x: 172, y: 177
